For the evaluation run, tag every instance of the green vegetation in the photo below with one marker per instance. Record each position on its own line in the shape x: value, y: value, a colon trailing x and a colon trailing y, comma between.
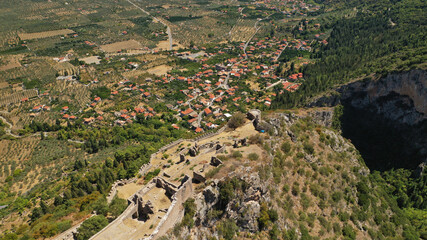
x: 151, y: 175
x: 228, y: 229
x: 237, y: 120
x: 102, y: 92
x: 91, y: 226
x: 355, y: 49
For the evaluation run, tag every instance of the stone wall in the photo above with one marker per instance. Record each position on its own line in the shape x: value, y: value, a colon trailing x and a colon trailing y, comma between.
x: 142, y: 171
x: 175, y: 211
x: 130, y: 210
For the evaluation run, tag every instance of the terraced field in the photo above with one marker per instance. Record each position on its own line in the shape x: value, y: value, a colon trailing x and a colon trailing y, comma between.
x: 243, y: 30
x: 17, y: 97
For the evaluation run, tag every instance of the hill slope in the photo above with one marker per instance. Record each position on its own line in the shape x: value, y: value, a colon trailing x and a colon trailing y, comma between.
x: 310, y: 183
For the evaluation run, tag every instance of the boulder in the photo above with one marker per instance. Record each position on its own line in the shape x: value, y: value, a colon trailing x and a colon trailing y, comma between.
x: 254, y: 114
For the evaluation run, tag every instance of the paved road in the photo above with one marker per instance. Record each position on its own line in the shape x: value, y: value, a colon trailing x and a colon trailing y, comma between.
x: 274, y: 84
x: 168, y: 29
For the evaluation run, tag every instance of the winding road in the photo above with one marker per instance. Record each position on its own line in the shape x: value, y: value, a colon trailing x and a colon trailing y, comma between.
x: 9, y: 129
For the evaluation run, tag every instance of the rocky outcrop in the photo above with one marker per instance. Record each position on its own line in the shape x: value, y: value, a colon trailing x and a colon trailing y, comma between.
x: 401, y: 97
x: 322, y: 117
x: 244, y: 208
x: 384, y: 118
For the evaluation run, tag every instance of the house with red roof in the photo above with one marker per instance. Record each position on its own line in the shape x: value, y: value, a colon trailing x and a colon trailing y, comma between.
x: 207, y: 111
x: 187, y: 112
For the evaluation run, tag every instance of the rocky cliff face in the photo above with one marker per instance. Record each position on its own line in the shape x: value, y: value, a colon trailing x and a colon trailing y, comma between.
x: 401, y: 97
x: 386, y: 119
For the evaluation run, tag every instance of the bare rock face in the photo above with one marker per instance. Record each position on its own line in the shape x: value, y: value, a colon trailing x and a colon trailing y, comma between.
x: 292, y: 136
x: 211, y: 195
x: 254, y: 114
x: 401, y: 97
x: 249, y: 214
x: 420, y: 170
x: 205, y: 202
x: 323, y: 118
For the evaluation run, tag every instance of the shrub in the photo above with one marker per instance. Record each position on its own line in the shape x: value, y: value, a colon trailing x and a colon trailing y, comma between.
x: 305, y: 201
x: 189, y: 211
x: 151, y: 175
x: 255, y: 139
x: 290, y: 234
x: 295, y: 189
x: 336, y: 227
x: 253, y: 156
x: 308, y: 148
x: 274, y: 232
x: 285, y: 188
x: 337, y: 196
x: 227, y: 229
x: 236, y: 154
x: 237, y: 120
x: 348, y: 232
x: 286, y: 147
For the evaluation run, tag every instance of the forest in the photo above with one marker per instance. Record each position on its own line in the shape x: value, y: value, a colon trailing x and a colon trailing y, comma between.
x: 387, y: 37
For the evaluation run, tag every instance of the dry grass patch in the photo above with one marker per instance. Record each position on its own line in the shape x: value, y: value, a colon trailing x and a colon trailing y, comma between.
x: 30, y: 36
x: 118, y: 46
x: 159, y: 70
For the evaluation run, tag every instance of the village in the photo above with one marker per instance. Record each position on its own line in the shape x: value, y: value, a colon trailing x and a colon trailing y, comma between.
x: 231, y: 77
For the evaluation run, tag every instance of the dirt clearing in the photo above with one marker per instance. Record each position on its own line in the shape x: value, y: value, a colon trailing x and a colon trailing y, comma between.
x: 29, y: 36
x: 128, y: 190
x: 160, y: 70
x: 119, y: 46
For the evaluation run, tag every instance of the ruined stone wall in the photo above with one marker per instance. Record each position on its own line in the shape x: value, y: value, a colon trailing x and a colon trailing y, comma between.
x: 130, y: 210
x: 176, y: 210
x: 208, y: 135
x: 142, y: 171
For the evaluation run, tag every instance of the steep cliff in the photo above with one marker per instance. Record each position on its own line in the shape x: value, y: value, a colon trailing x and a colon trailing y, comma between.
x: 386, y: 119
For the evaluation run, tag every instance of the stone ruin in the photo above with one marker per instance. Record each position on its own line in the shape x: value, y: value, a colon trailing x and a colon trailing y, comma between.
x: 215, y: 161
x: 200, y: 174
x: 143, y: 210
x: 242, y: 142
x: 220, y: 148
x: 181, y: 158
x: 194, y: 150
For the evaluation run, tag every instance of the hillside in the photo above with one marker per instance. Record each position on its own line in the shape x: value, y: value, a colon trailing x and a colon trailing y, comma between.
x: 308, y: 182
x: 213, y: 119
